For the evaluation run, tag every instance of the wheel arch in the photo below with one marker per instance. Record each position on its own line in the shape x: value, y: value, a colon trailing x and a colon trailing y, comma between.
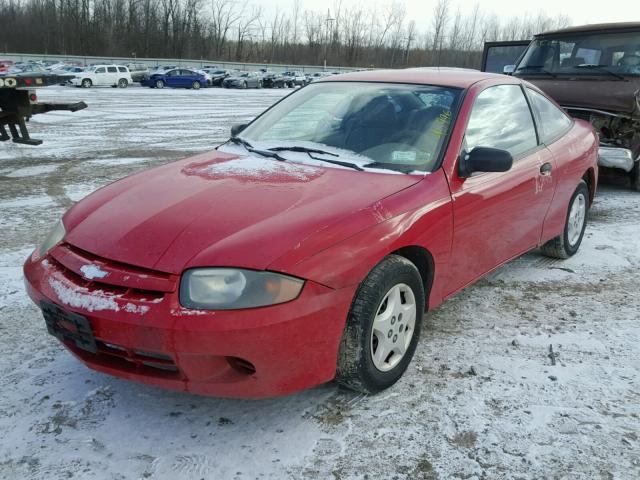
x: 423, y: 260
x: 590, y: 178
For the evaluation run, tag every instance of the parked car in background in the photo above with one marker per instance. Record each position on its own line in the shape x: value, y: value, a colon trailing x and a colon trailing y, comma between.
x: 318, y: 76
x: 103, y: 75
x: 68, y: 73
x: 139, y: 71
x: 309, y: 246
x: 275, y: 80
x: 217, y: 76
x: 243, y: 80
x: 298, y: 78
x: 206, y: 75
x: 176, y: 78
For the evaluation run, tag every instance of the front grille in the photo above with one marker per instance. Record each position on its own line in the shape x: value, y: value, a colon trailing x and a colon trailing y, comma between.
x: 133, y: 361
x: 126, y: 281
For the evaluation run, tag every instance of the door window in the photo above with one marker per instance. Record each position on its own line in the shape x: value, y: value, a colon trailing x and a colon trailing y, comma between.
x: 553, y: 121
x: 122, y: 69
x: 112, y: 69
x: 101, y: 70
x: 501, y: 118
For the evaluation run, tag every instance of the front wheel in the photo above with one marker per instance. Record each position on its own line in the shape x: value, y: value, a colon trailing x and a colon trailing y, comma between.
x: 196, y: 85
x: 159, y: 84
x: 86, y: 83
x: 568, y: 242
x: 383, y: 327
x: 123, y: 83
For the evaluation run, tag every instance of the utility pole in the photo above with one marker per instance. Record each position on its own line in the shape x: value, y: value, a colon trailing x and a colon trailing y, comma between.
x: 328, y: 21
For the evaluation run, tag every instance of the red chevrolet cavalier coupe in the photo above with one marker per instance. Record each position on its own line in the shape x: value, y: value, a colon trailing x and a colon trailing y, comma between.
x: 308, y: 246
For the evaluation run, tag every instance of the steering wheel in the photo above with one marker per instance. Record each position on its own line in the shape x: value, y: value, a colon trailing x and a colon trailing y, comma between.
x: 631, y: 60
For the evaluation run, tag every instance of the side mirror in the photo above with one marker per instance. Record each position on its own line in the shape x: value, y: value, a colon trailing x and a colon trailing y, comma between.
x: 485, y: 159
x: 237, y: 129
x: 508, y: 69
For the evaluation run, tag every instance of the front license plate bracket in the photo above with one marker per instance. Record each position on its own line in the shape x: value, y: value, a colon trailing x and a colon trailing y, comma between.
x: 69, y: 326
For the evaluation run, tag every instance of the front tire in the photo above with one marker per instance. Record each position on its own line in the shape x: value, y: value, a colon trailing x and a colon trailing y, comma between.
x: 159, y: 84
x: 196, y: 85
x: 123, y: 83
x: 635, y: 177
x: 86, y: 83
x: 383, y: 327
x: 567, y: 244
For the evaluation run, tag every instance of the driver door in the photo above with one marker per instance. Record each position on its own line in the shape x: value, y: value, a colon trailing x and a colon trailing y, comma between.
x: 498, y: 216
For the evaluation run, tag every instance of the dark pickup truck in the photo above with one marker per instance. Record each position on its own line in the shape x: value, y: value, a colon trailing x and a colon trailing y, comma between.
x: 19, y: 102
x: 593, y: 72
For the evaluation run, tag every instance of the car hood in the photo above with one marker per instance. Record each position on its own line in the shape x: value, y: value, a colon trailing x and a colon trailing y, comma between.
x: 222, y: 209
x: 621, y: 96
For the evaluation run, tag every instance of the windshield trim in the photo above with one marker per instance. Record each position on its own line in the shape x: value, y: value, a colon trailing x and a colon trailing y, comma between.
x: 455, y: 110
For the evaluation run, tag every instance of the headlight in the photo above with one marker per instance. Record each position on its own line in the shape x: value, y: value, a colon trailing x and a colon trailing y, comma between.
x: 232, y: 288
x: 54, y: 237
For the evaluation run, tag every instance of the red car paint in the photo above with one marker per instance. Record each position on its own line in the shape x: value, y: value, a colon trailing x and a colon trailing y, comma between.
x: 330, y: 229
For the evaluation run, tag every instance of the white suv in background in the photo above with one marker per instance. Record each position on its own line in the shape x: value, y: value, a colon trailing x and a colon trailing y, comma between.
x: 103, y: 75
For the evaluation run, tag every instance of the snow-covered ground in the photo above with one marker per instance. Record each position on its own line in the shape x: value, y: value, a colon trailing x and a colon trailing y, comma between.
x: 480, y: 400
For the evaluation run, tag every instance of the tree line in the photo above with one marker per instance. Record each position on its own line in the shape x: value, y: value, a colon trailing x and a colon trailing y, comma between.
x: 232, y: 30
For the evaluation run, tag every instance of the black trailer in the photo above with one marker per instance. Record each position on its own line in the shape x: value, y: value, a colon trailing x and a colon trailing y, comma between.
x: 19, y: 102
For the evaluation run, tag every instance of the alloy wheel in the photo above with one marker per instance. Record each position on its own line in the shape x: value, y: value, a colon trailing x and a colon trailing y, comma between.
x: 393, y: 327
x: 577, y: 215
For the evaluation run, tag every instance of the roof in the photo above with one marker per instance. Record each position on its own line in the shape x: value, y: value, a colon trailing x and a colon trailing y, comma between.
x: 450, y: 77
x: 595, y: 27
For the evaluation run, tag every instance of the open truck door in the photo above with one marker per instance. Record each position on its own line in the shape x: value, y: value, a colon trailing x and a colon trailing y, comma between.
x: 498, y: 55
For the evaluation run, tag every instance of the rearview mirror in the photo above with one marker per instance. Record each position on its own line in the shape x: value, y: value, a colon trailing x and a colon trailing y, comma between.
x: 485, y: 159
x: 508, y: 69
x: 237, y: 128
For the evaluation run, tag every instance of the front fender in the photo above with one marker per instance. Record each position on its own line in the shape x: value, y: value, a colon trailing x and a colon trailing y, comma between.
x: 421, y: 215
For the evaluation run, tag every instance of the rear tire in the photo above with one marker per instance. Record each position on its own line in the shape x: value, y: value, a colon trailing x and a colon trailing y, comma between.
x: 567, y: 244
x: 378, y: 342
x: 635, y: 177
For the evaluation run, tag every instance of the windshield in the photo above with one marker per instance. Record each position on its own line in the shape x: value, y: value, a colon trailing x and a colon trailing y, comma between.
x: 384, y: 126
x: 588, y: 54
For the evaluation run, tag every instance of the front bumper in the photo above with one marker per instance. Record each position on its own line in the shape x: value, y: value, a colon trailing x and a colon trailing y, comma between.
x: 250, y: 353
x: 615, y: 157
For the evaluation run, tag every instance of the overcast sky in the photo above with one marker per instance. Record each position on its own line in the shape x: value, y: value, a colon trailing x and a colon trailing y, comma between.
x: 580, y: 11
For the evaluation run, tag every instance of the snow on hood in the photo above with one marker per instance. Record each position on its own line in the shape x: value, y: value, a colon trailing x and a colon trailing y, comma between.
x: 252, y: 169
x: 220, y: 209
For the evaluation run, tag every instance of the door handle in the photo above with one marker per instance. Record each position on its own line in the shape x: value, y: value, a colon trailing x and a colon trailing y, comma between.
x: 545, y: 168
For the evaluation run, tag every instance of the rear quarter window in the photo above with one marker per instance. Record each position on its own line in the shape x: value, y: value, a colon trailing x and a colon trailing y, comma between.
x: 553, y: 122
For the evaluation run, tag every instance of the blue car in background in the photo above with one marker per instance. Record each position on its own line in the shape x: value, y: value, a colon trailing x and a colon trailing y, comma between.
x: 176, y: 78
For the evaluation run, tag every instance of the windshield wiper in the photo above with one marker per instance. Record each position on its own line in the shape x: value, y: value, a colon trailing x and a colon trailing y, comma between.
x: 309, y: 152
x: 250, y: 148
x: 338, y: 162
x: 601, y: 68
x: 385, y: 166
x: 539, y: 68
x: 297, y: 148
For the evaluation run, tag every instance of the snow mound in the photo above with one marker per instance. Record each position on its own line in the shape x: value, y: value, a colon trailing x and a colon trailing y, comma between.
x: 80, y: 297
x: 92, y: 271
x: 253, y: 169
